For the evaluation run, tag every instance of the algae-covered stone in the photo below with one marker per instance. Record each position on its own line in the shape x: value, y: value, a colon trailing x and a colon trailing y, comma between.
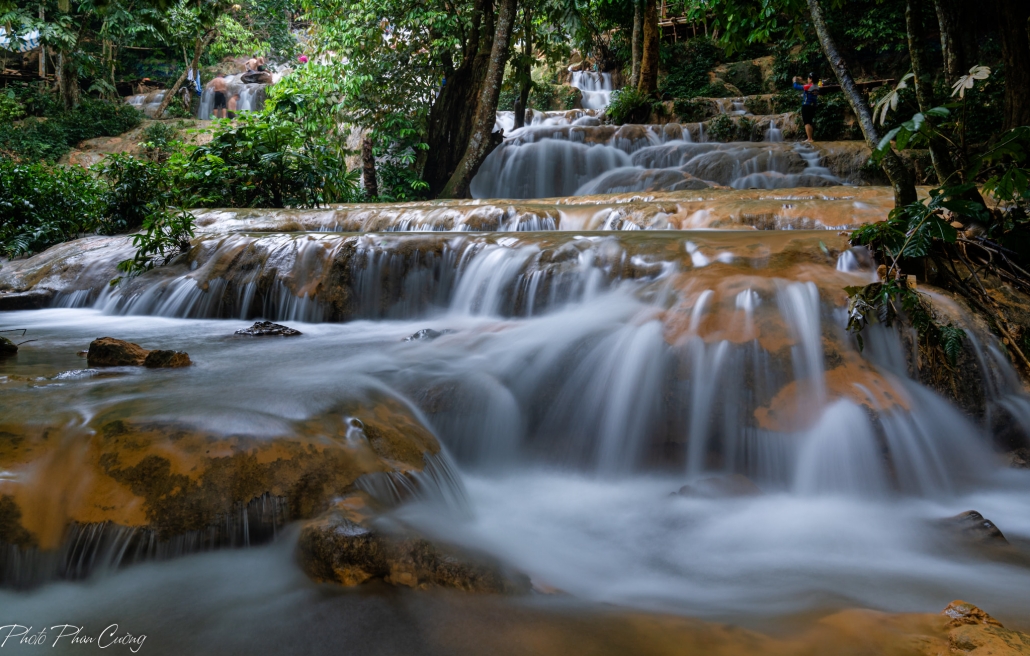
x: 162, y: 359
x: 7, y: 347
x: 343, y: 548
x: 111, y: 352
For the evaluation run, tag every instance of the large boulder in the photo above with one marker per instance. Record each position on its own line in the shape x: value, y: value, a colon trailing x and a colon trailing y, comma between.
x: 176, y: 487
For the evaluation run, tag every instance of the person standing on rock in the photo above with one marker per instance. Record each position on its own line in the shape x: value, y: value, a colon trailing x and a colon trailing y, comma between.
x: 218, y: 86
x: 809, y: 103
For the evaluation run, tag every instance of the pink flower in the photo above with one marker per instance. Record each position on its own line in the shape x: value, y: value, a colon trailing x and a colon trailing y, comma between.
x: 303, y: 59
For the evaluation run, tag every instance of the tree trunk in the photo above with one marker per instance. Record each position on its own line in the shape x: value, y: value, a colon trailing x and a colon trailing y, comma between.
x: 368, y: 169
x: 648, y: 82
x: 484, y: 140
x: 942, y: 162
x: 67, y: 81
x: 956, y: 45
x: 638, y: 37
x: 899, y: 175
x: 198, y: 49
x: 1015, y: 51
x: 452, y: 115
x: 526, y: 74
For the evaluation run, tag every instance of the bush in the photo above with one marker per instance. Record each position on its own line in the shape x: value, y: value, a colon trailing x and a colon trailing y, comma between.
x: 48, y: 138
x: 10, y: 108
x: 747, y: 130
x: 723, y: 128
x: 690, y: 110
x: 629, y: 105
x: 42, y: 205
x: 831, y: 120
x: 688, y: 66
x: 136, y: 189
x: 264, y: 160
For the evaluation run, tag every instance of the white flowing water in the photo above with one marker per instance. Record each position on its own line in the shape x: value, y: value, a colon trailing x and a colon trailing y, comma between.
x: 595, y: 87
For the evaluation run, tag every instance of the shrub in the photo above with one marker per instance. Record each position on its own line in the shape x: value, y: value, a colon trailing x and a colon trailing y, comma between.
x: 629, y: 105
x: 747, y: 129
x: 688, y: 66
x: 264, y: 160
x: 42, y: 205
x: 690, y: 110
x: 136, y: 189
x: 48, y: 138
x: 723, y: 128
x: 10, y: 108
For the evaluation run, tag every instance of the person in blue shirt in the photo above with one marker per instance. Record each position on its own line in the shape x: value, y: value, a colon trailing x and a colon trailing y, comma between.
x: 809, y: 102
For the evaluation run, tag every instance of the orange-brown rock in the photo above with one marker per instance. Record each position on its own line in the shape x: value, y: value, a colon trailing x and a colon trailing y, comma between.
x: 174, y: 479
x: 161, y: 359
x: 342, y: 547
x: 111, y: 352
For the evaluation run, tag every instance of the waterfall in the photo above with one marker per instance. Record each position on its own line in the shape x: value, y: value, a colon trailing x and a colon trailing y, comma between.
x: 595, y: 87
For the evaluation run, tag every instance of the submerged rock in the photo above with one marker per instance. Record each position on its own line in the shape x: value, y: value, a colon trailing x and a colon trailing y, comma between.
x: 734, y: 485
x: 161, y: 359
x: 111, y: 352
x: 267, y: 328
x: 426, y: 334
x: 172, y: 488
x: 7, y: 347
x: 973, y: 526
x: 343, y: 548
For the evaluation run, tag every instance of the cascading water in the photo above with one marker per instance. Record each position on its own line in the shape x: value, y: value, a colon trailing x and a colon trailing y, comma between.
x: 672, y: 421
x: 595, y: 87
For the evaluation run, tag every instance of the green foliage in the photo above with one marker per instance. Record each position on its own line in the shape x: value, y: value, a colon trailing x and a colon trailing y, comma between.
x: 831, y: 122
x: 688, y: 65
x: 628, y: 105
x: 263, y: 160
x: 888, y: 302
x: 691, y: 110
x: 41, y: 205
x: 166, y: 233
x: 159, y: 140
x: 722, y: 128
x: 46, y: 139
x: 747, y: 130
x: 397, y: 143
x: 10, y: 109
x: 136, y: 189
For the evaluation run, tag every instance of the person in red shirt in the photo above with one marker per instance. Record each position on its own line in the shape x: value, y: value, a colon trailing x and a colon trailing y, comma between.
x: 809, y: 102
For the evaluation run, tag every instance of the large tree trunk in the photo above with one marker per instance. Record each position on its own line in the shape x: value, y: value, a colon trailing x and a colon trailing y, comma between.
x: 638, y: 37
x: 483, y: 139
x: 453, y: 113
x: 1015, y: 51
x: 957, y: 44
x: 648, y: 82
x: 368, y: 169
x: 198, y: 49
x: 899, y: 175
x: 67, y: 81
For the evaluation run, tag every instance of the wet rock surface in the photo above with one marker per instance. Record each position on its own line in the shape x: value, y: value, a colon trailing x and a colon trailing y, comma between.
x: 268, y: 329
x: 344, y: 547
x: 31, y: 300
x: 974, y: 527
x: 111, y: 352
x: 426, y: 334
x: 179, y: 488
x: 734, y: 485
x: 7, y: 347
x: 162, y: 359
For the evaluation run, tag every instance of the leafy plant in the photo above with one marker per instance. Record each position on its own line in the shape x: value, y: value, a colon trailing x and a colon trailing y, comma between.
x: 136, y: 189
x: 628, y: 105
x: 166, y: 233
x: 41, y: 206
x: 10, y: 109
x: 722, y: 128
